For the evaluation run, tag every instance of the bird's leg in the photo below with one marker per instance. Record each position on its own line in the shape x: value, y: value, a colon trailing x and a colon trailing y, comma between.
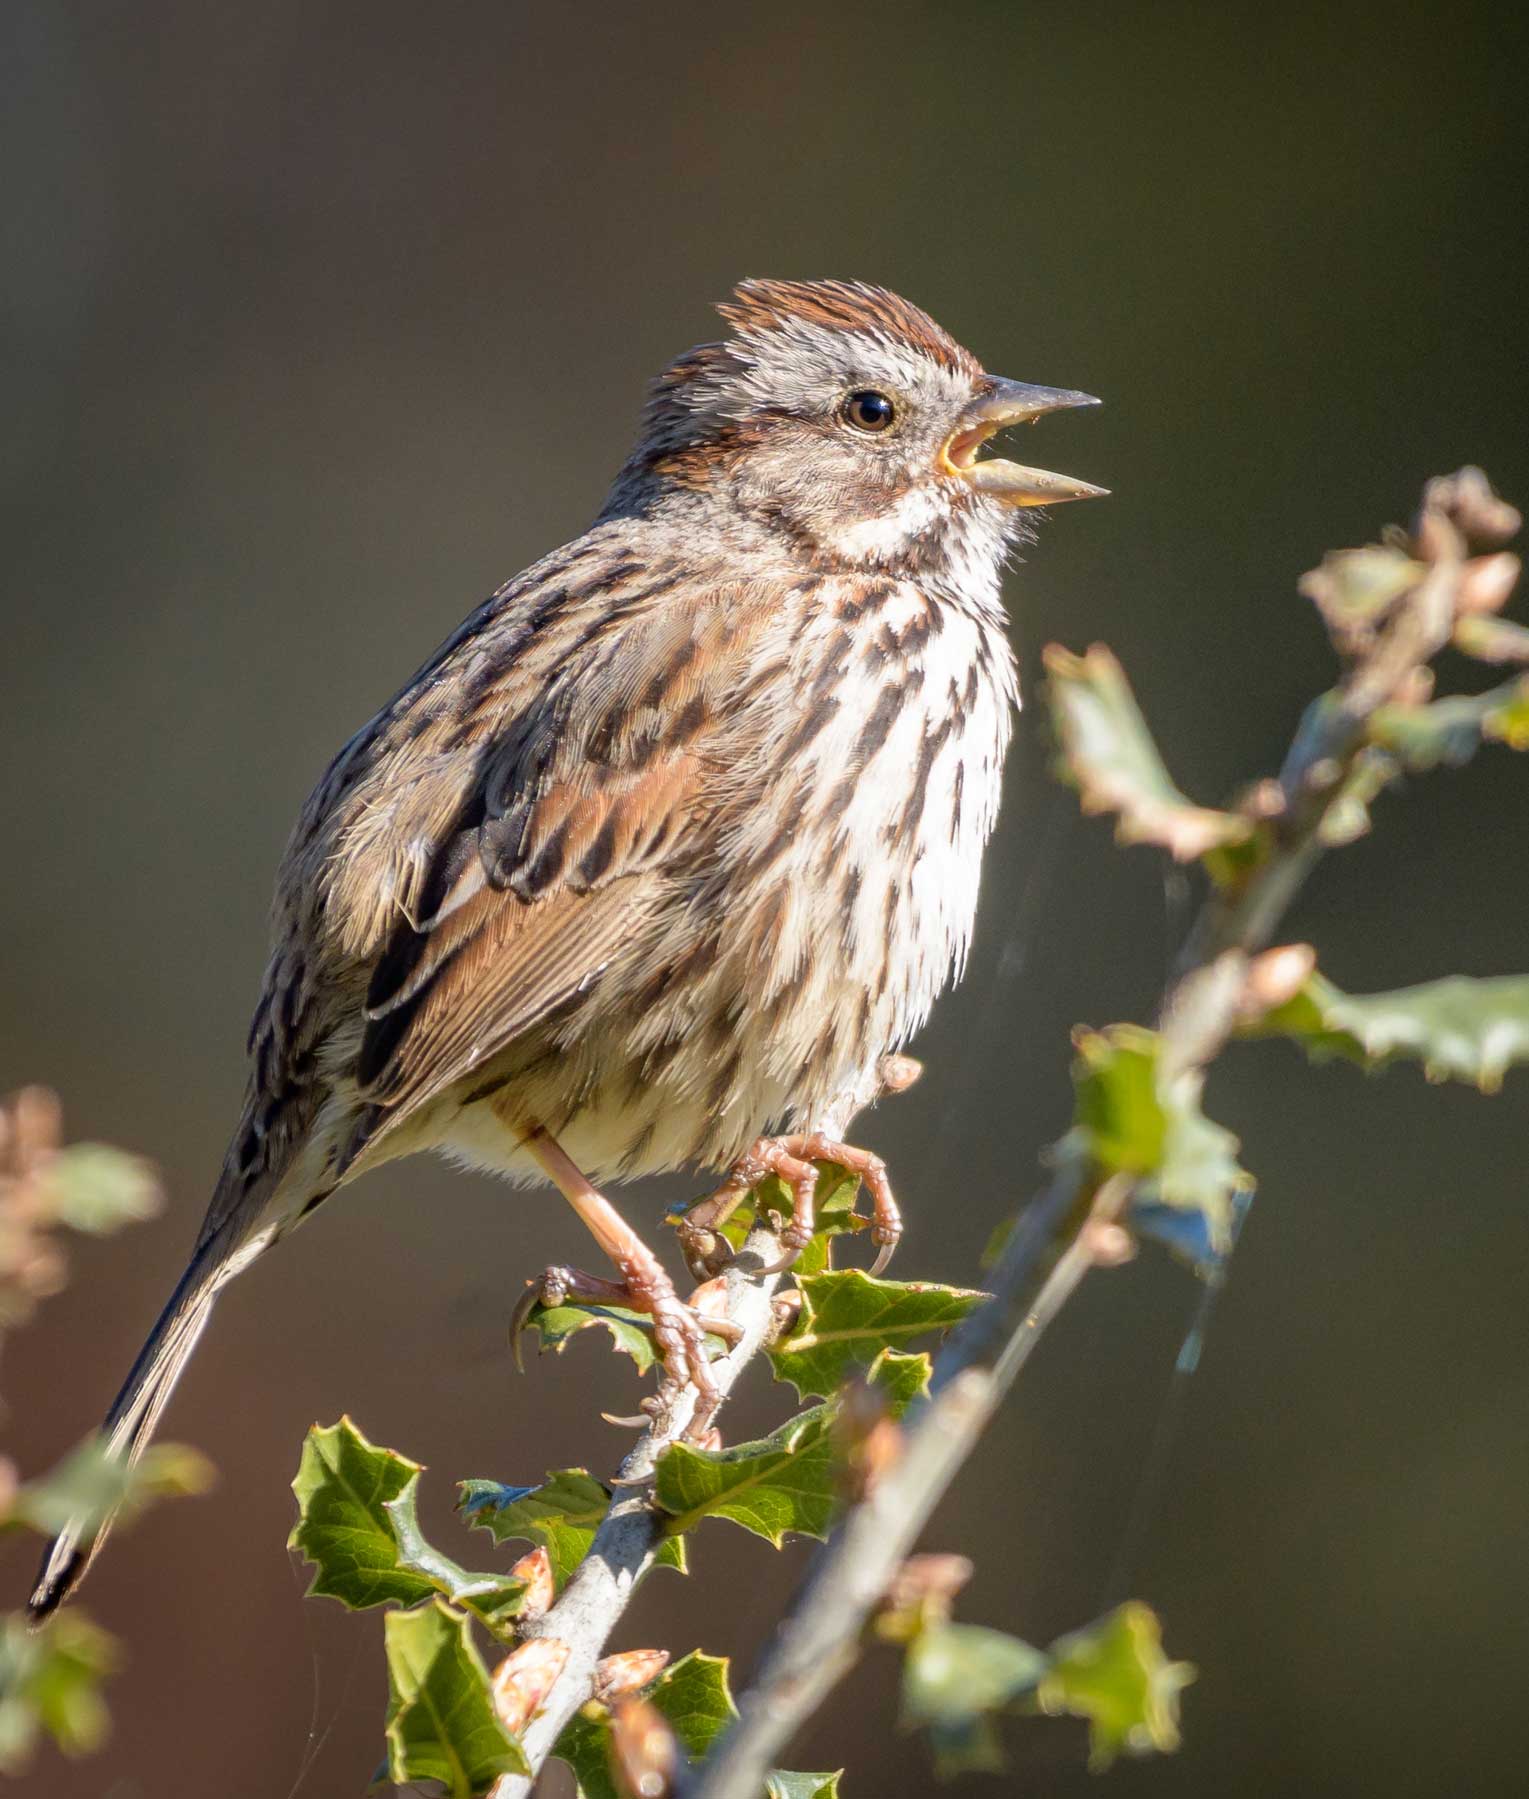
x: 794, y: 1159
x: 643, y: 1284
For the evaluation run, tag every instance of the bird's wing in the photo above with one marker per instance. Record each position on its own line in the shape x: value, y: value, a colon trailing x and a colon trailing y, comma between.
x: 580, y: 795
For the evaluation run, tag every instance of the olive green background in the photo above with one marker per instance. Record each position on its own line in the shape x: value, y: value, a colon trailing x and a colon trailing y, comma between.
x: 319, y: 321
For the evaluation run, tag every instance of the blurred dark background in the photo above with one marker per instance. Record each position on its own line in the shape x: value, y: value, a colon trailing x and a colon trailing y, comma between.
x: 319, y: 321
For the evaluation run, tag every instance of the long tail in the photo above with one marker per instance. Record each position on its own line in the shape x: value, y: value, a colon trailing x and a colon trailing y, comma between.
x: 130, y: 1423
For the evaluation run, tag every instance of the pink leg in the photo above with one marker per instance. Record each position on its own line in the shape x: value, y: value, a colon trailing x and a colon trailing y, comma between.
x: 643, y: 1284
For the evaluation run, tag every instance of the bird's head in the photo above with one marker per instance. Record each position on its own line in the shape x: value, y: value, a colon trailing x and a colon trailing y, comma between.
x: 849, y: 423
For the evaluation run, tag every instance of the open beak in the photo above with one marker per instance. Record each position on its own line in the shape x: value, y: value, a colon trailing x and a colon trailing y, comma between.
x: 1013, y: 403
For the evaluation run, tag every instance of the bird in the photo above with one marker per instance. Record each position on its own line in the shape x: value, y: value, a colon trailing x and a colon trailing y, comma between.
x: 671, y: 843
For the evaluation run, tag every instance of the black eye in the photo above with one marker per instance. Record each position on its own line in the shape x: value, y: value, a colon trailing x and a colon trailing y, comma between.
x: 869, y: 410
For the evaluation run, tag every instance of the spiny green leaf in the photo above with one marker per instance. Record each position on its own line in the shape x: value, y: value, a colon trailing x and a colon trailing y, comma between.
x: 955, y: 1677
x: 631, y: 1332
x: 358, y: 1526
x: 1109, y: 756
x: 441, y: 1721
x: 692, y: 1694
x: 848, y: 1318
x: 50, y: 1683
x: 783, y: 1482
x: 562, y: 1514
x: 93, y: 1187
x: 343, y: 1487
x: 1115, y: 1674
x: 1131, y: 1119
x: 90, y: 1483
x: 1460, y: 1028
x: 495, y: 1598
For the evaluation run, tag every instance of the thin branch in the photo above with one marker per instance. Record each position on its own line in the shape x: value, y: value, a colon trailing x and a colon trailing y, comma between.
x: 1065, y: 1231
x: 631, y: 1533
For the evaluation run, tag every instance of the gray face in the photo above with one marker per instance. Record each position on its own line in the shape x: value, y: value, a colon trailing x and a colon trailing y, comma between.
x: 837, y: 435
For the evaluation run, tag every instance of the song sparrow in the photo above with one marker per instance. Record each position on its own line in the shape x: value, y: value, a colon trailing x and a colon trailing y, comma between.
x: 674, y: 839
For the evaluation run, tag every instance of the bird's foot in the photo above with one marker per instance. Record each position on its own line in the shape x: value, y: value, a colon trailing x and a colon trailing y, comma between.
x: 679, y: 1330
x: 794, y: 1159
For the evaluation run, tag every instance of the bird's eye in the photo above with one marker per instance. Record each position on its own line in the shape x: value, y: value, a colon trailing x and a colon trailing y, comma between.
x: 869, y: 410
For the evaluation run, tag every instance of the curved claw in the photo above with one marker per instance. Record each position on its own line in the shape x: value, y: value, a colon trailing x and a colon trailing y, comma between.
x: 785, y: 1263
x: 883, y: 1257
x: 520, y: 1317
x: 632, y: 1421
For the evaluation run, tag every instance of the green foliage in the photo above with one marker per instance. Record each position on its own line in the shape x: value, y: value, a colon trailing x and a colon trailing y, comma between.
x: 1115, y: 1674
x: 441, y: 1723
x: 1460, y: 1028
x: 50, y: 1684
x: 784, y: 1482
x: 960, y: 1678
x: 848, y: 1319
x: 562, y: 1515
x: 1131, y: 1118
x: 956, y: 1678
x: 357, y: 1525
x: 1108, y: 755
x: 631, y: 1332
x: 694, y: 1696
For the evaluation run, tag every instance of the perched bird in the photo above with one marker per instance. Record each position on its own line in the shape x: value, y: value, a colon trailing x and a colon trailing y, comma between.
x: 673, y: 840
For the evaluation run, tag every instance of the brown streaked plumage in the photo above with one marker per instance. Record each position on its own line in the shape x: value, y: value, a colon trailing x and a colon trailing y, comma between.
x: 674, y: 839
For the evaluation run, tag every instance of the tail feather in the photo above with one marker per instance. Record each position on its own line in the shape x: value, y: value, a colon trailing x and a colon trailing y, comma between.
x: 129, y: 1425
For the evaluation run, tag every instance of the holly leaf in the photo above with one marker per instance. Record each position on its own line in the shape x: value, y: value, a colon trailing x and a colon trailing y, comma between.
x: 1131, y: 1119
x: 781, y: 1483
x: 631, y: 1332
x: 50, y: 1684
x: 1461, y: 1028
x: 562, y: 1514
x: 441, y: 1723
x: 1115, y: 1674
x: 1108, y: 755
x: 691, y: 1693
x: 848, y: 1318
x: 90, y: 1484
x: 357, y: 1524
x: 955, y: 1678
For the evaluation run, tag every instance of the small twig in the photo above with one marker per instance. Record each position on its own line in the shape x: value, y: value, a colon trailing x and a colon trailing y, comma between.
x: 1055, y: 1243
x: 631, y: 1533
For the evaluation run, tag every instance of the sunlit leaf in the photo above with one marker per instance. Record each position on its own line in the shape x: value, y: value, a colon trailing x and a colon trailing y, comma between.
x: 955, y: 1677
x: 848, y: 1318
x: 1354, y: 589
x: 1461, y: 1028
x: 780, y: 1783
x: 562, y: 1514
x: 631, y: 1332
x: 441, y: 1721
x: 1130, y: 1118
x: 781, y: 1483
x: 1109, y: 756
x: 50, y: 1685
x: 1115, y: 1674
x: 357, y: 1525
